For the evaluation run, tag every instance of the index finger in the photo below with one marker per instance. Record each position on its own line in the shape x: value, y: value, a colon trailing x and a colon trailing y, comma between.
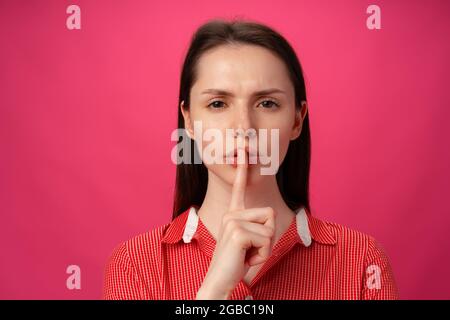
x: 240, y: 183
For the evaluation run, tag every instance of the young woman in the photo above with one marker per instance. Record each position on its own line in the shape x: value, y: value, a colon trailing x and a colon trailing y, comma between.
x: 237, y: 233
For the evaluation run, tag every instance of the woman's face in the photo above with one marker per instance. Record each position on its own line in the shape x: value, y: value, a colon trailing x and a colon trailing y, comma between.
x: 240, y: 72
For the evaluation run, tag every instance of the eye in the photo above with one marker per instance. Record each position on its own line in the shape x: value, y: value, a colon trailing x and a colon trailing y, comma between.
x: 270, y: 105
x: 216, y: 104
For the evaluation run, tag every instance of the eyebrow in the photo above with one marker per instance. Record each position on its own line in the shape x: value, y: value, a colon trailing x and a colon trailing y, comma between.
x: 257, y: 93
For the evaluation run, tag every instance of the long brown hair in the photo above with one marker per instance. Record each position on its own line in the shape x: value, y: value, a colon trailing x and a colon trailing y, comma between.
x: 293, y: 173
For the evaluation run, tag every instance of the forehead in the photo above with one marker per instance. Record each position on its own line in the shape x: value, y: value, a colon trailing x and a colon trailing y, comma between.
x: 241, y: 68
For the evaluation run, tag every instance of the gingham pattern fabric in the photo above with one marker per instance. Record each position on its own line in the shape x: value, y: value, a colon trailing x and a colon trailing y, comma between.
x: 313, y: 259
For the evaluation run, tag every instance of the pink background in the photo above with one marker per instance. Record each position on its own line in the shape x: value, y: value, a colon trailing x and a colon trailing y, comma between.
x: 86, y: 117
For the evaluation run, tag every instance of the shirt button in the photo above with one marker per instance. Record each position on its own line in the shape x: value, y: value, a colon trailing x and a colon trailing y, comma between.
x: 249, y: 298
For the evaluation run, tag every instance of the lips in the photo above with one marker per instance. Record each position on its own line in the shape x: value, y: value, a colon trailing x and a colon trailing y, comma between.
x: 232, y: 157
x: 234, y: 152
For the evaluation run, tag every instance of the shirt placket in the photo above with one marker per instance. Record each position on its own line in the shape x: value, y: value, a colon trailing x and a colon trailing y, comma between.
x: 242, y: 292
x: 247, y: 292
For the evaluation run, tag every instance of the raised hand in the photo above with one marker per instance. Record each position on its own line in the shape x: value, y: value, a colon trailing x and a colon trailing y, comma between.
x: 245, y: 239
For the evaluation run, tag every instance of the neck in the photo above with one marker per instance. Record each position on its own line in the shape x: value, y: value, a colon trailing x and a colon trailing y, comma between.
x: 265, y: 193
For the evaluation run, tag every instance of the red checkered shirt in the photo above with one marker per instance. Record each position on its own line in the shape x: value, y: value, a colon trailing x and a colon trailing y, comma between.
x: 313, y: 259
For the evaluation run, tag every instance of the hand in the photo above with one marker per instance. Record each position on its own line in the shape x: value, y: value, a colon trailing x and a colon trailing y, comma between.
x: 245, y: 239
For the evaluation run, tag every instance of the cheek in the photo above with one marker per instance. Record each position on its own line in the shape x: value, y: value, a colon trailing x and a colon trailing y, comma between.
x: 285, y: 134
x: 284, y: 143
x: 276, y: 140
x: 211, y: 135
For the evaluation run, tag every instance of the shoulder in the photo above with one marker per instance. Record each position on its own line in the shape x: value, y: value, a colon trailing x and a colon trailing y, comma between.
x: 133, y: 268
x: 142, y: 245
x: 362, y: 254
x: 145, y: 249
x: 350, y: 241
x: 347, y: 236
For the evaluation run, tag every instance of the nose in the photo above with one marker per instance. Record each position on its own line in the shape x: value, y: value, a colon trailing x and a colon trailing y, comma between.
x: 243, y: 134
x: 243, y: 121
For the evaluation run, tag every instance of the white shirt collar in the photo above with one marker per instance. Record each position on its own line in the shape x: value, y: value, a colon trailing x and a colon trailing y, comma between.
x: 302, y: 227
x: 191, y: 225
